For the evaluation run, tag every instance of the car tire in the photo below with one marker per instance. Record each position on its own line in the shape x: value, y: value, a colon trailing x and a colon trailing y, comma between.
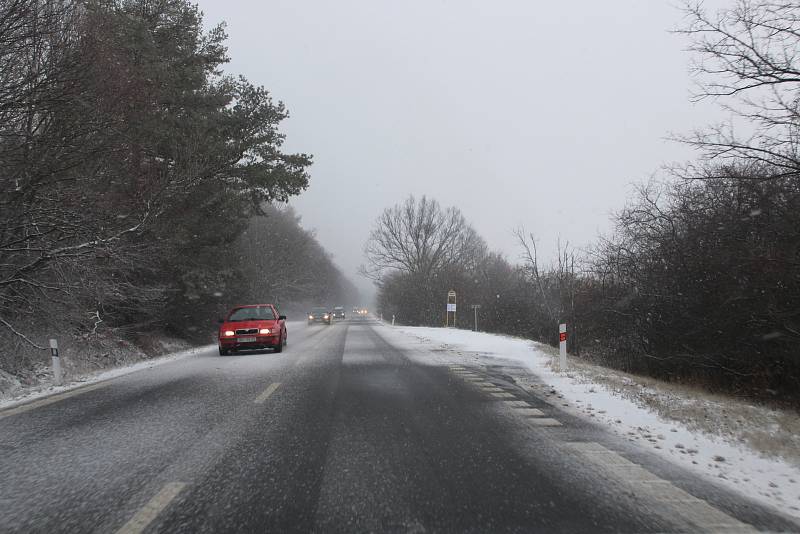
x: 279, y: 346
x: 222, y: 352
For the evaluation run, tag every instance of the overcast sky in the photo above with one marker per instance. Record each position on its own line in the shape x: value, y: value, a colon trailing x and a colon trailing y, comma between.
x: 539, y: 114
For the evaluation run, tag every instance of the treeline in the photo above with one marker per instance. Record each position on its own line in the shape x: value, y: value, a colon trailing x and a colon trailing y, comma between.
x: 130, y: 168
x: 699, y: 284
x: 285, y: 264
x: 700, y: 280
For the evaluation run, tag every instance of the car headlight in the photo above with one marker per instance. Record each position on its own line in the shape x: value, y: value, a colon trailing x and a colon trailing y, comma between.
x: 228, y: 333
x: 325, y: 316
x: 310, y: 316
x: 264, y: 331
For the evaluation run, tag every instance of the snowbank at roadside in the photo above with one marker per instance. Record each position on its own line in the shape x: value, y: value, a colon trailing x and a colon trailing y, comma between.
x: 772, y: 480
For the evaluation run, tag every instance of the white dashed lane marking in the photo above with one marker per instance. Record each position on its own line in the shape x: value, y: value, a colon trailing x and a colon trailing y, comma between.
x: 545, y: 421
x: 536, y: 416
x: 142, y: 519
x: 679, y: 503
x: 267, y: 392
x: 531, y: 412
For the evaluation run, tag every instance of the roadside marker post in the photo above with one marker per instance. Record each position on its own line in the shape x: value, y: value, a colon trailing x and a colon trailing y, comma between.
x: 562, y: 347
x: 392, y: 319
x: 475, y: 308
x: 57, y: 378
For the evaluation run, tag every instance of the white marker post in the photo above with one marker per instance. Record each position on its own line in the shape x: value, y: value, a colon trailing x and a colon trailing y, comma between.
x: 475, y: 308
x: 392, y: 319
x: 56, y: 362
x: 562, y: 347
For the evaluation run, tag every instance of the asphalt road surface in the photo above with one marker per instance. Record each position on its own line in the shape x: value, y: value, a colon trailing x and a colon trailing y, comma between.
x: 348, y: 430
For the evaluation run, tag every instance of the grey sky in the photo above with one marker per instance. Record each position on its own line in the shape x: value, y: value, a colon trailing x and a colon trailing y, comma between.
x: 534, y: 113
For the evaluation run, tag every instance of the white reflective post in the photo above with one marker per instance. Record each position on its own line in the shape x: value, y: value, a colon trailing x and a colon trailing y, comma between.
x: 562, y: 347
x: 475, y: 308
x: 57, y: 378
x: 392, y: 319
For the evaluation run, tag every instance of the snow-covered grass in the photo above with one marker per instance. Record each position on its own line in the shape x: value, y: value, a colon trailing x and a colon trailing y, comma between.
x: 754, y: 453
x: 46, y: 389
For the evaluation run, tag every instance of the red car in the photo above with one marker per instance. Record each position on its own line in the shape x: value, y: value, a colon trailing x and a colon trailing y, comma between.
x: 255, y: 326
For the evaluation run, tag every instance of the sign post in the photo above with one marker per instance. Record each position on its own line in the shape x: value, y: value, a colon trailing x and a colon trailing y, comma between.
x: 475, y: 308
x: 57, y: 378
x: 562, y: 347
x: 451, y: 308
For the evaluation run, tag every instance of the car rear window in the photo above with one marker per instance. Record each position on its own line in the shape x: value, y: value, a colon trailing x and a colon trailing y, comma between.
x: 259, y: 313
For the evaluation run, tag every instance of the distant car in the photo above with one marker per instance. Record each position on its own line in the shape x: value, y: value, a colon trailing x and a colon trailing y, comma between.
x: 253, y: 326
x: 319, y: 315
x: 338, y: 312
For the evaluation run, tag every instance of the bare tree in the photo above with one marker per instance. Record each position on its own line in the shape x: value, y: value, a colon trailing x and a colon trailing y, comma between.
x: 419, y: 237
x: 530, y: 260
x: 747, y: 57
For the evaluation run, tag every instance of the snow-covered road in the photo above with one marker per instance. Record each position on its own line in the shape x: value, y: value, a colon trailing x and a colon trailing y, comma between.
x: 355, y: 427
x: 771, y: 479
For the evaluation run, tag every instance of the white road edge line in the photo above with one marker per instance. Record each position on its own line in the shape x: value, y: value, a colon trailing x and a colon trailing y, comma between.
x: 51, y: 399
x: 699, y: 513
x: 142, y: 519
x: 267, y: 392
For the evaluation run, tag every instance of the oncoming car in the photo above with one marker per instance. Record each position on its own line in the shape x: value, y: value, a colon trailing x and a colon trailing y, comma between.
x: 254, y: 326
x: 338, y: 312
x: 319, y: 315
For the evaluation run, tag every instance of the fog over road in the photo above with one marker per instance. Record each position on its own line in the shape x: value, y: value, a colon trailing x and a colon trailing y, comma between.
x: 348, y: 430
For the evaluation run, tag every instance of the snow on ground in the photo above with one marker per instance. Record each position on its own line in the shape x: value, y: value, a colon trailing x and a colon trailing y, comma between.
x: 768, y: 478
x: 45, y: 390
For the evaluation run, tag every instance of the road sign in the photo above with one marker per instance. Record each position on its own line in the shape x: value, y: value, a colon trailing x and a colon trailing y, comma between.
x: 451, y: 308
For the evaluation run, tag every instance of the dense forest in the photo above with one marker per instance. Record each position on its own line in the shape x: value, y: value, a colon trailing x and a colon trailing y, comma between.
x: 700, y: 279
x: 138, y: 178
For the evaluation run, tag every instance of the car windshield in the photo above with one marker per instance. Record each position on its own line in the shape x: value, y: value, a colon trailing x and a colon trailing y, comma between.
x: 317, y: 311
x: 255, y: 313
